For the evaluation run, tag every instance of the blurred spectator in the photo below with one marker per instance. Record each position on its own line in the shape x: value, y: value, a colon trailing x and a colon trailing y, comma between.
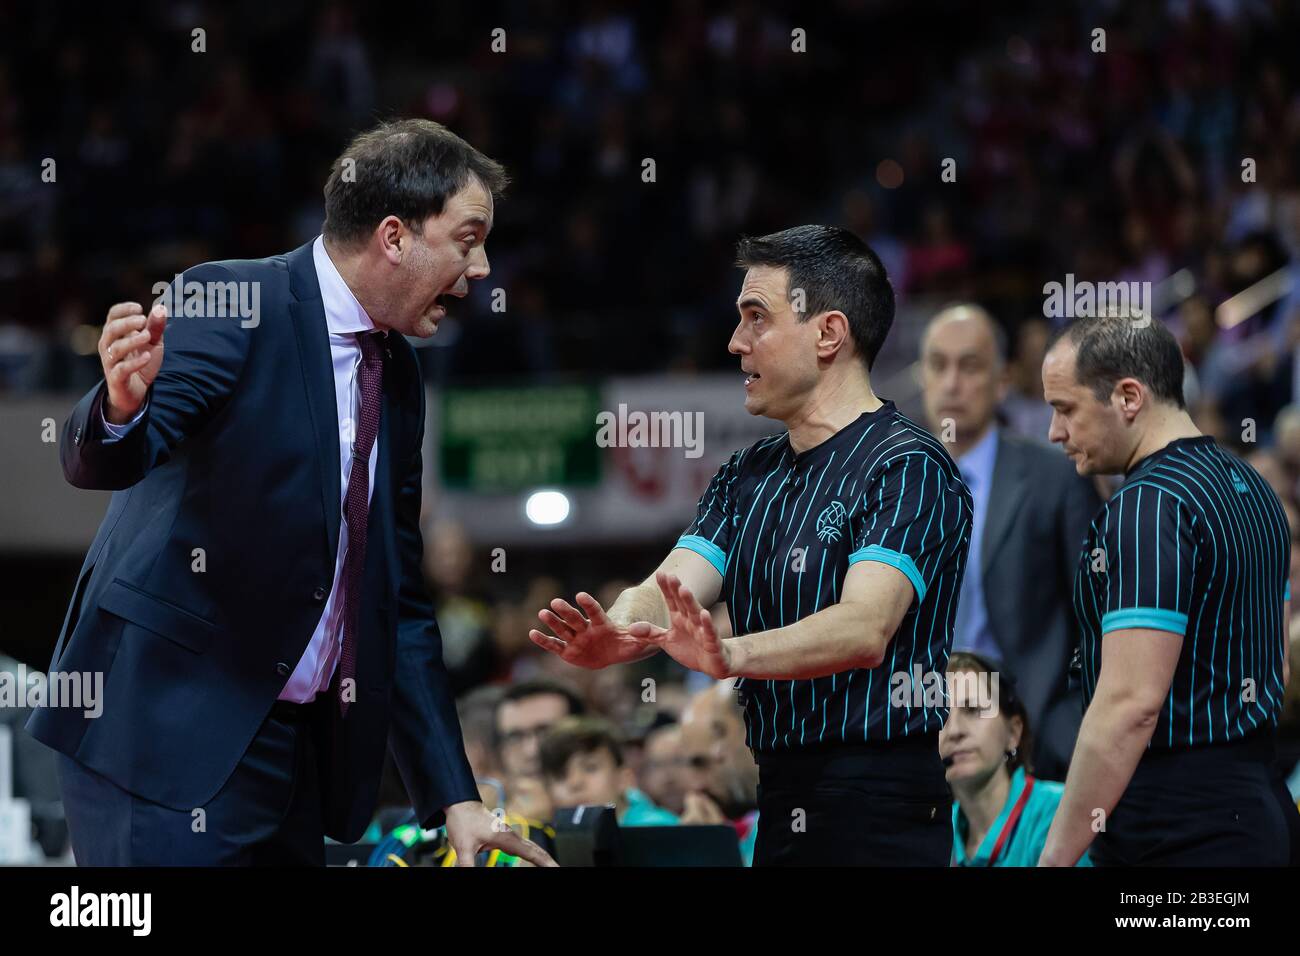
x: 662, y: 775
x: 721, y: 775
x: 582, y: 762
x: 525, y: 712
x: 1001, y: 813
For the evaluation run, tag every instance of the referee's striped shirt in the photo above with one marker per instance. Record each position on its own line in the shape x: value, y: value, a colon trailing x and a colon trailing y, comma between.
x: 783, y: 528
x: 1196, y: 543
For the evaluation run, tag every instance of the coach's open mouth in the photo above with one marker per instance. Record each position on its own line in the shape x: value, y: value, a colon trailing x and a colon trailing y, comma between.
x: 751, y: 378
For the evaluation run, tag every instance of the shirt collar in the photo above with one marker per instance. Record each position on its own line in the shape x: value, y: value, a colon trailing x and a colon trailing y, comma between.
x: 961, y: 827
x: 1206, y: 441
x: 343, y: 313
x: 851, y: 430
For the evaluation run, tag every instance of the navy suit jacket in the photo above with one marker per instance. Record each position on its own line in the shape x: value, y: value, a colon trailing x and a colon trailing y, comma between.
x: 238, y: 455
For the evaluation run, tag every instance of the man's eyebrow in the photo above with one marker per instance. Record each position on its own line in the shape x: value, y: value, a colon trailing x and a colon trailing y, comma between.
x: 751, y: 301
x: 476, y: 219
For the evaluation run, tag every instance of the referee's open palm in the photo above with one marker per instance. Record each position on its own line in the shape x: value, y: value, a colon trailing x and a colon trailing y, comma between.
x: 690, y: 638
x: 592, y: 641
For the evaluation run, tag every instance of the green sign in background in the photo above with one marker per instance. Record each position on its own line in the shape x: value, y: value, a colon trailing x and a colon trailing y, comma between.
x: 511, y: 439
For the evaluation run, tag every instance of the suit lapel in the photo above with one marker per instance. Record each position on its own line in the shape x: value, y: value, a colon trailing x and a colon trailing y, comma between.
x: 308, y: 314
x: 1005, y: 497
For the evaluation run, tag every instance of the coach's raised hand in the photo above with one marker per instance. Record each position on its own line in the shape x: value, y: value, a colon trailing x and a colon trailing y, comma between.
x: 131, y: 352
x: 690, y: 638
x: 596, y: 640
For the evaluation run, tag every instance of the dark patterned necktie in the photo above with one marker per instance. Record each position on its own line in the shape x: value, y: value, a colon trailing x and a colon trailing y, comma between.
x: 356, y: 507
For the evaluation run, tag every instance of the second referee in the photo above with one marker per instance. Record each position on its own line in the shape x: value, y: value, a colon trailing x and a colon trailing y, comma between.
x: 1182, y: 598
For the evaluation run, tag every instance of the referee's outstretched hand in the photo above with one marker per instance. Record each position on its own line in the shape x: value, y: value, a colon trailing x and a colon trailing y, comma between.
x: 690, y: 638
x: 592, y: 641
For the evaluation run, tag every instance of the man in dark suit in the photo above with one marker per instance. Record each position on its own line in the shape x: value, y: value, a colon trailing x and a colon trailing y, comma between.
x: 254, y: 597
x: 1031, y: 513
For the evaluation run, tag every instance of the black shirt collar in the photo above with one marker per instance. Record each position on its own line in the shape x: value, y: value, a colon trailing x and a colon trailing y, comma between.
x: 1193, y: 441
x: 852, y: 431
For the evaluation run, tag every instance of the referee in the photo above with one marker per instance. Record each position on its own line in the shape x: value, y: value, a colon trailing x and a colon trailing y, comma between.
x: 839, y: 548
x: 1182, y: 598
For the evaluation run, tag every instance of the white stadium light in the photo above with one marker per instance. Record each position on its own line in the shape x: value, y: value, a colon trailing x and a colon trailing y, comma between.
x: 547, y: 507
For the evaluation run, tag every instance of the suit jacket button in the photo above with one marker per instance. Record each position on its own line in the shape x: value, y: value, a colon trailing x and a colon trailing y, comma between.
x: 318, y: 595
x: 283, y: 669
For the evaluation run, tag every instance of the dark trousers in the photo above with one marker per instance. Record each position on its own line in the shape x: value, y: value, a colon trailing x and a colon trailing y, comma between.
x: 267, y: 814
x: 863, y: 805
x: 1219, y: 805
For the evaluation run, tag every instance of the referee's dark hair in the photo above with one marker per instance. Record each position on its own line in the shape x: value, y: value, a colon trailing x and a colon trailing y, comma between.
x: 1113, y: 346
x: 836, y: 271
x: 1009, y: 703
x: 407, y: 168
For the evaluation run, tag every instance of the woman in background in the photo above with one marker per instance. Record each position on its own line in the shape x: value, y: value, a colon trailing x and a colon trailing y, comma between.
x: 1001, y: 812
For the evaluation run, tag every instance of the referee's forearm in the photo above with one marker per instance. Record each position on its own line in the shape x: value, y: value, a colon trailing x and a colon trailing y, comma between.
x: 1112, y: 738
x: 641, y: 602
x: 828, y: 642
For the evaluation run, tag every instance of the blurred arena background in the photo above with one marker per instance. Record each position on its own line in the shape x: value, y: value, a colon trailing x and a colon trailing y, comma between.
x: 1171, y: 158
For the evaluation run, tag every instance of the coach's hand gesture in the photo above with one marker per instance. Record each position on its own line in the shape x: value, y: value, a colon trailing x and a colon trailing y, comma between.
x: 690, y: 638
x: 471, y: 828
x: 593, y: 641
x: 131, y: 351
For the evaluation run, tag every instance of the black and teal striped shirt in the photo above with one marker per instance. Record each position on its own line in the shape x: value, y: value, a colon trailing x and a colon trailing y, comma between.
x: 1196, y: 543
x: 783, y: 528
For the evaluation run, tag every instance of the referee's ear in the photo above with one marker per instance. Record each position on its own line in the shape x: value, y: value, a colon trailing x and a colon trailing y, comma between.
x: 832, y: 334
x: 1129, y: 398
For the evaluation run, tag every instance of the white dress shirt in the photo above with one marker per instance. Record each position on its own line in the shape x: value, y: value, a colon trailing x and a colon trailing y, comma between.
x: 344, y: 317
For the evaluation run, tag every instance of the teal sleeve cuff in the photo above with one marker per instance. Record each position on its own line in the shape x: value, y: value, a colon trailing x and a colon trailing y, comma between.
x: 705, y: 549
x: 1158, y: 619
x: 895, y: 559
x: 1286, y: 594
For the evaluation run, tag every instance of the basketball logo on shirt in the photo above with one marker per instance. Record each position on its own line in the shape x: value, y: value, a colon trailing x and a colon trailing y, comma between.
x: 830, y: 521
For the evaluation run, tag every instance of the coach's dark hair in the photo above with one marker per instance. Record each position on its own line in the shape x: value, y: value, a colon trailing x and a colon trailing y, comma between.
x: 406, y: 168
x: 1115, y: 346
x: 836, y: 271
x: 1009, y: 703
x: 577, y: 735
